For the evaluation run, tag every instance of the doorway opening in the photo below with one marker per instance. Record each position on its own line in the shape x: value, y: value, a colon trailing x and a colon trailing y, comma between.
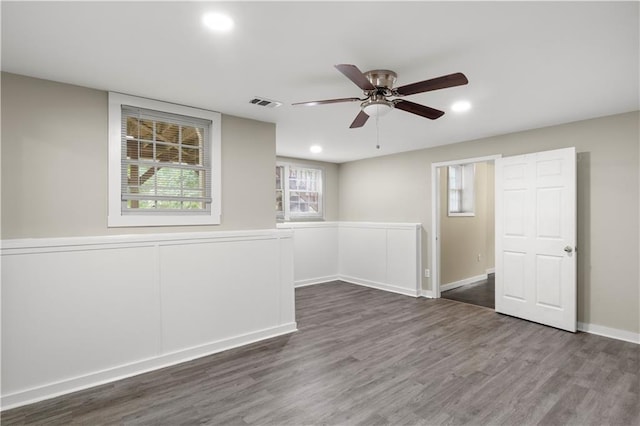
x: 463, y: 237
x: 480, y: 293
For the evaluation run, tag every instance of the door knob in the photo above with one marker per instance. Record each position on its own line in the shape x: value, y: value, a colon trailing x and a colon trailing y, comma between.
x: 568, y: 249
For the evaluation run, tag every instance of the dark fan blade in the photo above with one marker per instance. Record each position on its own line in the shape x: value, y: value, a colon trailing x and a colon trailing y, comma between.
x: 451, y: 80
x: 354, y: 74
x: 360, y: 120
x: 421, y: 110
x: 328, y: 101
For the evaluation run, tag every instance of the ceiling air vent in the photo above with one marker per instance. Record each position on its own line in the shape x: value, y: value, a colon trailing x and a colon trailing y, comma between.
x: 265, y: 102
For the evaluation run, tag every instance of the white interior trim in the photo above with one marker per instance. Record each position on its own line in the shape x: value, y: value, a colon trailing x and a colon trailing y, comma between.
x: 314, y: 281
x: 306, y: 224
x: 41, y: 245
x: 379, y: 286
x: 435, y: 215
x: 427, y: 293
x: 115, y: 216
x: 462, y: 282
x: 613, y: 333
x: 380, y: 225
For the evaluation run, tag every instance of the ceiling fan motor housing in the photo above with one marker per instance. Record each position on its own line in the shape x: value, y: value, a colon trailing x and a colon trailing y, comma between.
x: 377, y: 104
x: 381, y: 78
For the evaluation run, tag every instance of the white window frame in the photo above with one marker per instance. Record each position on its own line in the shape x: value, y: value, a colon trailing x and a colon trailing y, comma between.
x: 287, y: 215
x: 116, y: 218
x: 466, y: 189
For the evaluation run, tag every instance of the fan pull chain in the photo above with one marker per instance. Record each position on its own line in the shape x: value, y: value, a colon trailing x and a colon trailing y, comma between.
x: 377, y: 133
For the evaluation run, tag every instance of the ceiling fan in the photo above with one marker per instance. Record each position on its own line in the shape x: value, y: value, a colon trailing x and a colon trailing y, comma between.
x: 378, y: 88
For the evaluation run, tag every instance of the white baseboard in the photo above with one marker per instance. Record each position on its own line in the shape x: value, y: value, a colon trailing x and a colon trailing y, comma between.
x: 428, y: 294
x: 599, y: 330
x: 379, y: 286
x: 314, y: 281
x: 372, y: 284
x: 456, y: 284
x: 364, y: 283
x: 613, y: 333
x: 74, y: 384
x: 491, y: 271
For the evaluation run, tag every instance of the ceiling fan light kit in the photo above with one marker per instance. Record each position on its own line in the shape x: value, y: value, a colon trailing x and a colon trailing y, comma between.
x: 376, y: 107
x: 377, y: 86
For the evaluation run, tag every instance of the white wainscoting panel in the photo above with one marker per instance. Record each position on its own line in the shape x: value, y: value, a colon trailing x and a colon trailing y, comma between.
x: 287, y: 306
x: 77, y: 312
x: 380, y: 255
x: 403, y: 261
x: 64, y: 313
x: 386, y: 256
x: 363, y: 254
x: 202, y: 302
x: 315, y: 251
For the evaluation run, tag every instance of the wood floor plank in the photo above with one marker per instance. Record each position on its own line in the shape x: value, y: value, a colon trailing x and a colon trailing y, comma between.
x: 368, y: 357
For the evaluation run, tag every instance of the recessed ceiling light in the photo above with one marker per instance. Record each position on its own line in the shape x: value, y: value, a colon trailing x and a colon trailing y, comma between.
x: 461, y: 106
x: 316, y: 149
x: 218, y: 22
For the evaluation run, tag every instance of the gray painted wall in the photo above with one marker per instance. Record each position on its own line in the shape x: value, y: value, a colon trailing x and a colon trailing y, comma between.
x: 54, y: 165
x: 397, y: 188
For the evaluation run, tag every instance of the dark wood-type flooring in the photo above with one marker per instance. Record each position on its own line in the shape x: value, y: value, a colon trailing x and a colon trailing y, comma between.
x: 482, y: 293
x: 369, y: 357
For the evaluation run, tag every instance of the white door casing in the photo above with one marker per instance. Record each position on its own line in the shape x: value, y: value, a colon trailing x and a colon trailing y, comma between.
x: 536, y: 237
x: 435, y: 217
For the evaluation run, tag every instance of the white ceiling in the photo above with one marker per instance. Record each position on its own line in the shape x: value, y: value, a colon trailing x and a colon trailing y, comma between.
x: 529, y: 64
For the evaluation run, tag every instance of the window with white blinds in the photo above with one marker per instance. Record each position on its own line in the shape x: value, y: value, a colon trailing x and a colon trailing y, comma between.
x: 461, y: 179
x: 165, y: 163
x: 299, y: 192
x: 166, y: 171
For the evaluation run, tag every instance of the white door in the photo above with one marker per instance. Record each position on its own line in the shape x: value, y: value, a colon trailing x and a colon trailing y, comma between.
x: 536, y: 237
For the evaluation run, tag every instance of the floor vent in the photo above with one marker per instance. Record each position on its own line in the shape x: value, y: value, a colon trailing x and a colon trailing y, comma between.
x: 265, y: 102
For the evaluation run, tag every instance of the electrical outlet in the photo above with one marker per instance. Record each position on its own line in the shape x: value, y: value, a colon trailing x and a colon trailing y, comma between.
x: 478, y: 257
x: 427, y: 273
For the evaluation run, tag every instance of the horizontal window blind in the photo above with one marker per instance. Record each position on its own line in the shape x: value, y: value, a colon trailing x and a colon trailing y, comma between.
x: 298, y: 192
x: 279, y: 191
x: 461, y: 188
x: 166, y: 162
x: 304, y: 185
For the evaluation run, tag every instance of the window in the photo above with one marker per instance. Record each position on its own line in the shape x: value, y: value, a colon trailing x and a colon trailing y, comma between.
x: 298, y: 192
x: 461, y: 189
x: 164, y: 163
